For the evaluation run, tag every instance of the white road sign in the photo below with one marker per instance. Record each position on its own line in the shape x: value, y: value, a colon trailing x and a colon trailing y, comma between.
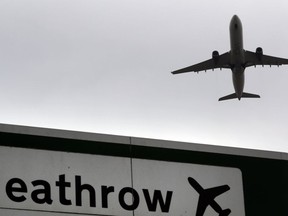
x: 50, y: 183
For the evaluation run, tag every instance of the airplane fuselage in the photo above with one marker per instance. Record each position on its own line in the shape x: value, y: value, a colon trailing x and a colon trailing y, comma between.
x: 237, y: 56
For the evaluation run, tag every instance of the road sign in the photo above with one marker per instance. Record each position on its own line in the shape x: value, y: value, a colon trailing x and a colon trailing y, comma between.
x: 57, y: 173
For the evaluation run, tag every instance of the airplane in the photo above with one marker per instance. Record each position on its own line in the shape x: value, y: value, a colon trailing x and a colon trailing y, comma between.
x: 207, y: 196
x: 237, y: 59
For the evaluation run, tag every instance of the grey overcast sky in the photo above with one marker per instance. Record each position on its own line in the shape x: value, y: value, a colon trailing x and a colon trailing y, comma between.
x: 104, y: 66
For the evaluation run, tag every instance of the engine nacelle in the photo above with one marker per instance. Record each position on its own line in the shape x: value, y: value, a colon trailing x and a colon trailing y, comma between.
x: 259, y: 52
x: 215, y: 56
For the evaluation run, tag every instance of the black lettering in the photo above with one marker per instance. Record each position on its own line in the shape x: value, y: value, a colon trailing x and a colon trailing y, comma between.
x: 10, y: 189
x: 79, y: 190
x: 105, y: 191
x: 45, y: 191
x: 157, y: 198
x: 135, y: 198
x: 62, y: 190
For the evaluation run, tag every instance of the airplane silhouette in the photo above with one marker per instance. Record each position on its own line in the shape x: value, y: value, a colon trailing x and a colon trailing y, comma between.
x: 237, y: 59
x: 207, y: 196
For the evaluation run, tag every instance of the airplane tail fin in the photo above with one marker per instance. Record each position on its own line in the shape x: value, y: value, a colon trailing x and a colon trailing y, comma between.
x: 225, y: 212
x: 244, y: 95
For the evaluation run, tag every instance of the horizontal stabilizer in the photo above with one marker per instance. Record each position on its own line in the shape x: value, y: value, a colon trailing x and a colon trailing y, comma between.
x: 228, y: 97
x: 249, y: 95
x: 244, y: 95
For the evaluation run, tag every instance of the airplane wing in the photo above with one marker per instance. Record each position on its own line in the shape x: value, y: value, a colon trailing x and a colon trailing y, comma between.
x: 201, y: 208
x: 221, y: 61
x: 216, y: 191
x: 253, y: 59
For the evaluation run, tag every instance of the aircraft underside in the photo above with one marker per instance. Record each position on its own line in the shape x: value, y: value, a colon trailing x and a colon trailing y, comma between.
x: 237, y: 59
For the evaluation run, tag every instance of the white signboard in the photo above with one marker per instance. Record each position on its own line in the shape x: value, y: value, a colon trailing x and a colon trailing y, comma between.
x: 38, y: 182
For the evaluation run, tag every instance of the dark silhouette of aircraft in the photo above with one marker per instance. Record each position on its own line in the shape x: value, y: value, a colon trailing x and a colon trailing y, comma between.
x: 237, y: 59
x: 207, y: 196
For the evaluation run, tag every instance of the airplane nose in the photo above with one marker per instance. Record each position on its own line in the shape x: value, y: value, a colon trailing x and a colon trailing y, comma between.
x: 235, y: 18
x: 235, y: 23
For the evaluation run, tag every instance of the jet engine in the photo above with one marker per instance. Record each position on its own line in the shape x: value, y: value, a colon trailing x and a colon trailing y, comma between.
x: 259, y: 52
x: 215, y: 56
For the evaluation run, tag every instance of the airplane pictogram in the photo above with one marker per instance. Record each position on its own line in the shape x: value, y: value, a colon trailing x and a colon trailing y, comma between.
x: 207, y: 196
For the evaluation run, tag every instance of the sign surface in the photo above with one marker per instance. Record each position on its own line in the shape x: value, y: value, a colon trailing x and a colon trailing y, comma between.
x: 40, y: 182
